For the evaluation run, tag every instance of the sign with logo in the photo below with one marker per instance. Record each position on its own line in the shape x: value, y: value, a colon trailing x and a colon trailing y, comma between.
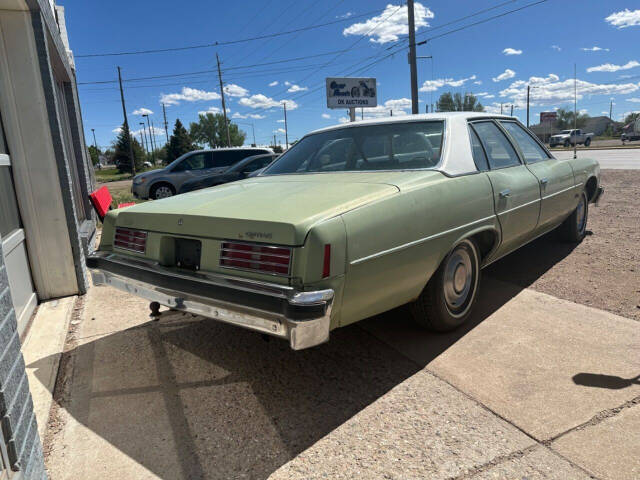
x: 548, y: 117
x: 351, y: 92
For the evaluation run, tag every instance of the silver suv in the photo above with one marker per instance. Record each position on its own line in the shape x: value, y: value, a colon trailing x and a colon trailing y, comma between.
x: 167, y: 181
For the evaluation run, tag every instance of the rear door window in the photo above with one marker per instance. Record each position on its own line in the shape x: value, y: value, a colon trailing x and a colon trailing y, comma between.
x: 530, y: 149
x: 479, y: 157
x: 222, y: 158
x: 500, y: 152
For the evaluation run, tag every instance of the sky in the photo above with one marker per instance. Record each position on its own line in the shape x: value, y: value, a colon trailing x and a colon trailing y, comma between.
x: 493, y: 58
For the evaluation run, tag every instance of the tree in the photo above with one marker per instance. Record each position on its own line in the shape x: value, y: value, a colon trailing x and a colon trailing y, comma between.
x: 210, y: 130
x: 632, y: 117
x: 565, y: 119
x: 459, y: 103
x: 94, y: 153
x: 121, y: 151
x: 179, y: 143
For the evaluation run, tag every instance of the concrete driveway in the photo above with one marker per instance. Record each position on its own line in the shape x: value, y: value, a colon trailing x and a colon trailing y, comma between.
x: 533, y: 387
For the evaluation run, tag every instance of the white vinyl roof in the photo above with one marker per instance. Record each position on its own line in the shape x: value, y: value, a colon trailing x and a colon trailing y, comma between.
x: 457, y: 157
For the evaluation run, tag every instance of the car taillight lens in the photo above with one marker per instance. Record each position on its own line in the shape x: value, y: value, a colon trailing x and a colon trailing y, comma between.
x: 326, y: 265
x: 129, y: 239
x: 273, y: 260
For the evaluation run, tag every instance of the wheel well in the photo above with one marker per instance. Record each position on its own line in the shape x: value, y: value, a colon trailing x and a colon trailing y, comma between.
x: 486, y: 241
x: 591, y: 187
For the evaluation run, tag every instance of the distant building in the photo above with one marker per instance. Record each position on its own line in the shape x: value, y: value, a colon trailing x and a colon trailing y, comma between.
x: 46, y: 221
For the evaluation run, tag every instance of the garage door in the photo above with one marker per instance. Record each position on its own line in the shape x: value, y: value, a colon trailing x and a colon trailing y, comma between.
x: 13, y: 243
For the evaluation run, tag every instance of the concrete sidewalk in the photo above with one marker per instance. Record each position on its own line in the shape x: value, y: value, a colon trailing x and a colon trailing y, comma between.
x: 530, y: 388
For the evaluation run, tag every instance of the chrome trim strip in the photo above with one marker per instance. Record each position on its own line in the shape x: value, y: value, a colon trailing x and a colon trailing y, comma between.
x: 288, y: 257
x: 562, y: 191
x: 5, y: 161
x: 250, y: 260
x: 519, y: 206
x: 419, y: 241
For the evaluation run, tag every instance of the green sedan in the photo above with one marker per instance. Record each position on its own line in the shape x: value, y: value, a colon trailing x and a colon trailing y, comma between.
x: 352, y: 221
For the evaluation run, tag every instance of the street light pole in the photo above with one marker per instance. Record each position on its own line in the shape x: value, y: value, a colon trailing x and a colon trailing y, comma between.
x: 153, y: 155
x: 144, y: 137
x: 286, y: 129
x: 166, y: 125
x: 224, y: 107
x: 528, y: 94
x: 412, y: 58
x: 126, y: 126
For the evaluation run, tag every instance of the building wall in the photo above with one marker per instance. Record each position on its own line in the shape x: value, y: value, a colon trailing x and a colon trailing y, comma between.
x: 18, y: 421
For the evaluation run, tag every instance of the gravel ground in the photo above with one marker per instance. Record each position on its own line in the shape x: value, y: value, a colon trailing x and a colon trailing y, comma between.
x: 604, y: 270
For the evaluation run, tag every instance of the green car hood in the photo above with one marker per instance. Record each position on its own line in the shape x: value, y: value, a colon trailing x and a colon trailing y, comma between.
x: 279, y: 210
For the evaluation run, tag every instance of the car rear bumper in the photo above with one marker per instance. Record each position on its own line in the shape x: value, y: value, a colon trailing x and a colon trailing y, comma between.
x: 303, y: 318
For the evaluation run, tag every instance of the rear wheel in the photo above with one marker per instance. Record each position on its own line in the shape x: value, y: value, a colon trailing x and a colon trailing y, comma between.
x: 162, y: 190
x: 587, y: 142
x: 566, y: 143
x: 447, y: 300
x: 574, y: 227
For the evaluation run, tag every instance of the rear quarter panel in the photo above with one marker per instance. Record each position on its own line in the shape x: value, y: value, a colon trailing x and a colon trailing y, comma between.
x: 583, y: 169
x: 396, y: 244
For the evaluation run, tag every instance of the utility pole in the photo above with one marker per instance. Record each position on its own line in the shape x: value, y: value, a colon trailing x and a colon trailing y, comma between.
x: 512, y: 109
x: 362, y: 114
x: 153, y: 155
x: 528, y: 92
x: 500, y: 108
x: 412, y: 58
x: 95, y: 144
x: 224, y: 108
x: 286, y: 129
x: 153, y: 132
x: 144, y: 138
x: 575, y: 109
x: 611, y: 110
x: 166, y: 125
x: 126, y: 126
x: 426, y: 108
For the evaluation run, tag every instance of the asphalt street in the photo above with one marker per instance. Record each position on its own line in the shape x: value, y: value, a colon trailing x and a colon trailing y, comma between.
x: 620, y: 159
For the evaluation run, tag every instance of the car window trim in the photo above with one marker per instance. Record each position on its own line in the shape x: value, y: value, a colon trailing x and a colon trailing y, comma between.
x: 515, y: 149
x: 471, y: 128
x: 533, y: 137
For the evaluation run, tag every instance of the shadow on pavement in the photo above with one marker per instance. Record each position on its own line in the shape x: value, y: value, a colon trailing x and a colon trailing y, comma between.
x: 193, y: 398
x: 604, y: 381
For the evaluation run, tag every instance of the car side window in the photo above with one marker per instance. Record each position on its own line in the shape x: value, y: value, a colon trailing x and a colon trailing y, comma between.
x: 500, y: 152
x: 222, y: 158
x: 479, y: 157
x: 531, y: 150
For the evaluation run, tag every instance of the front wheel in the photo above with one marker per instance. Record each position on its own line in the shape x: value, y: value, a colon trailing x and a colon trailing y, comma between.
x: 447, y: 300
x: 161, y: 190
x: 574, y: 227
x: 587, y: 142
x: 566, y: 143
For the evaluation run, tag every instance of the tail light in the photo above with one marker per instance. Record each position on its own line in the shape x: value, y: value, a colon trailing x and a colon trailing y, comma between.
x: 128, y: 239
x: 272, y: 260
x: 326, y: 264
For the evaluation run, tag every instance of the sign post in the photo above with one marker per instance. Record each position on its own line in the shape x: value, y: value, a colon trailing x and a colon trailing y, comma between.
x: 351, y: 93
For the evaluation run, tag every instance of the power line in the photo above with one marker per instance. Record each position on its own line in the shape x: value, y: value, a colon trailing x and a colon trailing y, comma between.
x: 225, y: 43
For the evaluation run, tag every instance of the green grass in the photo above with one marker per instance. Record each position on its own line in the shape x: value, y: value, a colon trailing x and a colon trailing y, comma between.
x: 113, y: 175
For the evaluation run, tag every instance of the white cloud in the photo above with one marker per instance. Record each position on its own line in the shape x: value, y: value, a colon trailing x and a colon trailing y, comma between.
x: 255, y: 116
x: 610, y: 67
x: 400, y: 106
x: 280, y: 121
x: 556, y: 48
x: 325, y: 115
x: 625, y: 18
x: 144, y: 131
x: 287, y: 83
x: 343, y: 120
x: 142, y: 111
x: 551, y: 90
x: 346, y: 15
x: 489, y: 96
x: 280, y: 130
x: 234, y: 90
x: 506, y: 75
x: 262, y: 101
x: 595, y: 49
x: 188, y: 95
x: 296, y: 88
x: 511, y: 51
x: 391, y: 23
x: 478, y: 82
x: 634, y: 100
x: 213, y: 110
x: 433, y: 85
x: 274, y: 83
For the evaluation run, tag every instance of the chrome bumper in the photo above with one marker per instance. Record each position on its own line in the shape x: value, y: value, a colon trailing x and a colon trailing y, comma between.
x: 303, y: 318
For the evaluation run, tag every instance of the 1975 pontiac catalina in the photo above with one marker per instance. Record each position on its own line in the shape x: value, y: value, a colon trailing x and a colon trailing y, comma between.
x: 352, y: 221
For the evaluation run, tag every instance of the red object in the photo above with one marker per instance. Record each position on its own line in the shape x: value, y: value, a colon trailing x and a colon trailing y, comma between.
x: 326, y: 268
x: 128, y: 204
x: 101, y: 201
x: 247, y: 256
x: 129, y: 239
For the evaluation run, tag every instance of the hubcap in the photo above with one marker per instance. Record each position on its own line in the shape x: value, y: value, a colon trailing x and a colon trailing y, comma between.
x: 581, y: 217
x: 459, y: 279
x: 163, y: 192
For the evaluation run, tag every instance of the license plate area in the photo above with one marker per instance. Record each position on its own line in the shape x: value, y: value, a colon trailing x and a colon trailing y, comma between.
x: 188, y: 253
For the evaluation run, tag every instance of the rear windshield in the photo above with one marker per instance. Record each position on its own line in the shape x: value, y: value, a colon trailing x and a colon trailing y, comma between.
x: 395, y: 146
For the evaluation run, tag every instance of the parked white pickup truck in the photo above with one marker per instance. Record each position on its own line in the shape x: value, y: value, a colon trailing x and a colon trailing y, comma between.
x: 571, y: 137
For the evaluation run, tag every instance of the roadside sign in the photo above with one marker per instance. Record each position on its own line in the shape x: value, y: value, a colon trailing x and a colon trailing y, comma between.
x: 548, y: 117
x: 351, y: 92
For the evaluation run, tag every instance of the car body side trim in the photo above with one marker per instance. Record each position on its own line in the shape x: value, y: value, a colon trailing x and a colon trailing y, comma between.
x: 419, y: 241
x: 562, y: 191
x: 519, y: 206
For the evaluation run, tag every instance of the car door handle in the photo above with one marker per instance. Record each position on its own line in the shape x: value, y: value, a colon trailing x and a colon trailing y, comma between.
x: 505, y: 193
x: 544, y: 181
